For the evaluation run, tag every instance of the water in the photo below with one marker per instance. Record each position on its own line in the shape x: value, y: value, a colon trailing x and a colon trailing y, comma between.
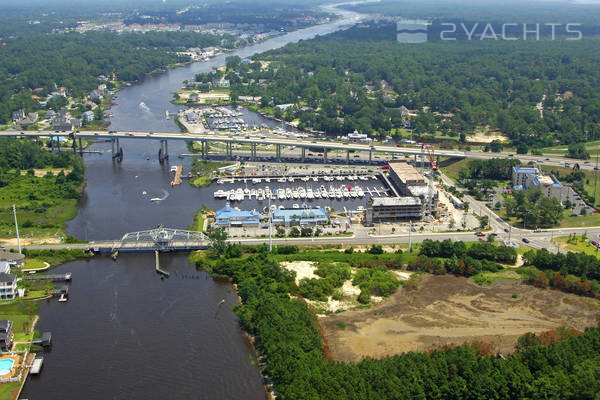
x: 6, y: 365
x: 125, y: 333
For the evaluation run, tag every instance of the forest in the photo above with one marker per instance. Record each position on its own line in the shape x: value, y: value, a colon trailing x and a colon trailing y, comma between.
x: 33, y: 66
x: 268, y: 14
x: 359, y: 79
x: 287, y: 335
x: 45, y: 202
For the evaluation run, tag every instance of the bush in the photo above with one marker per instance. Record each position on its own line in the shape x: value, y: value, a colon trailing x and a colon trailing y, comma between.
x: 287, y: 249
x: 376, y: 249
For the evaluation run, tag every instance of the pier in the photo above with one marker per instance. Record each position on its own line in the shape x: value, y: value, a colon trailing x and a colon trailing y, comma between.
x: 177, y: 179
x: 157, y: 264
x: 52, y: 277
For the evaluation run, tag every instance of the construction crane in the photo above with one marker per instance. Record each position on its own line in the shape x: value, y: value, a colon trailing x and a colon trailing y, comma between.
x: 430, y: 154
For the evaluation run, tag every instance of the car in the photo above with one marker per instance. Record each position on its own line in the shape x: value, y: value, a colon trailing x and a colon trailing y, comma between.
x: 357, y: 156
x: 573, y: 215
x: 547, y: 159
x: 525, y: 240
x: 479, y: 234
x: 511, y: 155
x: 131, y: 134
x: 506, y: 230
x: 398, y: 145
x: 596, y: 168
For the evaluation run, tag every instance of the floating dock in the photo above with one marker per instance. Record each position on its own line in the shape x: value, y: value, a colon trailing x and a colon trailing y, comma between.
x: 158, y: 270
x: 36, y: 367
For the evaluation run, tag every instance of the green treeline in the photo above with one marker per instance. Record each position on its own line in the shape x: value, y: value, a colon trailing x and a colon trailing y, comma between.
x: 37, y: 65
x: 357, y: 79
x: 287, y: 335
x: 577, y: 273
x: 43, y: 203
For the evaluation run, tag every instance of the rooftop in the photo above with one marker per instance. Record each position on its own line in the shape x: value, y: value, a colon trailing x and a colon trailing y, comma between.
x: 7, y: 278
x: 526, y: 170
x: 396, y: 201
x: 407, y: 173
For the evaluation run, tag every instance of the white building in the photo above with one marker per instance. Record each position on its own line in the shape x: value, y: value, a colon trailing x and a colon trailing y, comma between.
x: 531, y: 178
x: 8, y: 286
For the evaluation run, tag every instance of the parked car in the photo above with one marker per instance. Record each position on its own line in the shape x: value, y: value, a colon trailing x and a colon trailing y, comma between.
x: 525, y: 240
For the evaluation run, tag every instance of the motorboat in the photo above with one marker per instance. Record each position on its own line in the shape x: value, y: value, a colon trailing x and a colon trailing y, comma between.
x: 315, y: 179
x: 290, y: 179
x: 220, y: 194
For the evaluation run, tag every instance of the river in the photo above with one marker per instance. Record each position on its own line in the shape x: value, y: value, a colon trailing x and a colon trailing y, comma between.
x: 125, y: 333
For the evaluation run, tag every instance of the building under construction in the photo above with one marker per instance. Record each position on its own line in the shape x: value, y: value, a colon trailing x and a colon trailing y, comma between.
x: 416, y: 196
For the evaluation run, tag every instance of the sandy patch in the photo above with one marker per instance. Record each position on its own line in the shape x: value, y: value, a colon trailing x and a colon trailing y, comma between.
x: 402, y: 275
x: 28, y: 241
x: 303, y: 269
x: 487, y: 137
x: 452, y: 310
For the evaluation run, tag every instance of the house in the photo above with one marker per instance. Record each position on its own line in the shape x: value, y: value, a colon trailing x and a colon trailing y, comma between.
x: 50, y: 114
x: 13, y: 259
x: 223, y: 83
x: 87, y: 116
x: 193, y: 98
x: 4, y: 267
x: 18, y: 115
x: 300, y: 216
x: 234, y: 217
x: 29, y: 120
x: 404, y: 112
x: 62, y: 124
x: 96, y: 94
x: 8, y: 286
x: 102, y: 87
x: 76, y: 123
x: 531, y: 178
x: 6, y: 335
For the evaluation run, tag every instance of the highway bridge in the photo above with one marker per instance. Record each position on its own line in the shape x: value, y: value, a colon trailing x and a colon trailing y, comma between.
x: 323, y: 146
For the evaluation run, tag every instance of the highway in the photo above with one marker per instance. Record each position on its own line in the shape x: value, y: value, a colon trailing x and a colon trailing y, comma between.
x: 254, y: 140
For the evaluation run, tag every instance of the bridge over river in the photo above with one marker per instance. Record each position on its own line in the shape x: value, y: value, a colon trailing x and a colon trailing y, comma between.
x: 159, y: 239
x: 252, y: 140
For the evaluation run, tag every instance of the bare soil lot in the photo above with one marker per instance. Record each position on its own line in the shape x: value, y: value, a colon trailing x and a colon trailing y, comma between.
x: 448, y: 310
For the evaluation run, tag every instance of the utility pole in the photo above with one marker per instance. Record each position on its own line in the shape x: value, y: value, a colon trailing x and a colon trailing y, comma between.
x: 595, y: 180
x: 270, y: 227
x: 410, y: 237
x: 17, y: 229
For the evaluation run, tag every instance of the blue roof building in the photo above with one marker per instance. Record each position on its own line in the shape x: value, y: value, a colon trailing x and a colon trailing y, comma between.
x: 229, y: 216
x: 300, y: 216
x: 531, y: 178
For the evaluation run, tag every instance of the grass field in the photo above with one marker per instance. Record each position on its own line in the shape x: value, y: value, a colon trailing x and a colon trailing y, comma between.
x: 578, y: 245
x: 33, y: 263
x: 451, y: 167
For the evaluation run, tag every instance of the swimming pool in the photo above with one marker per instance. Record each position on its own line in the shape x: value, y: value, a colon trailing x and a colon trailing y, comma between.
x: 6, y: 365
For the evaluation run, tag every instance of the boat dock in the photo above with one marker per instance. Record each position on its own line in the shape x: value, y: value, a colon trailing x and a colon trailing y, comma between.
x: 53, y: 277
x: 177, y: 179
x: 36, y: 367
x: 158, y: 270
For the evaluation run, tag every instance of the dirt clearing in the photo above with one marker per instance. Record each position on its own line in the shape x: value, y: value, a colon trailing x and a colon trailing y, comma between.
x: 453, y: 310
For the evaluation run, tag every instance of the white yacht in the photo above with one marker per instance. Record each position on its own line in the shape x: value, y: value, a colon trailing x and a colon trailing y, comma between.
x: 239, y: 194
x: 339, y: 178
x: 281, y: 180
x: 256, y: 180
x: 295, y: 194
x: 360, y: 192
x: 305, y: 179
x: 315, y: 179
x: 290, y: 179
x: 267, y: 180
x: 280, y: 194
x: 302, y: 193
x: 353, y: 193
x: 288, y: 193
x: 253, y: 193
x: 295, y: 206
x: 221, y: 194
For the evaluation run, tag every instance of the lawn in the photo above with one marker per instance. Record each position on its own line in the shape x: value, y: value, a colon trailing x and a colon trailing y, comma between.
x: 578, y: 245
x: 581, y: 221
x: 33, y: 263
x: 22, y: 314
x: 8, y: 391
x: 451, y: 167
x: 488, y: 278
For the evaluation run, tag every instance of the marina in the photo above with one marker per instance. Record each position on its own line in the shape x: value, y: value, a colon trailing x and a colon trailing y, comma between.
x: 333, y: 192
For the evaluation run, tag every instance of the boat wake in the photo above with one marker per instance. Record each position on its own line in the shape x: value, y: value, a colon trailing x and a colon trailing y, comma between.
x: 165, y: 195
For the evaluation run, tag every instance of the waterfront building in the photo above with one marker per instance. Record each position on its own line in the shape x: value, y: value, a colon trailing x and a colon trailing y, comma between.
x: 13, y: 259
x: 232, y: 217
x: 8, y: 286
x: 6, y: 335
x: 300, y: 216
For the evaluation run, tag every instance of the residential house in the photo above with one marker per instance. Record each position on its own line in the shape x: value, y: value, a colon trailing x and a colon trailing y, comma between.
x: 96, y: 95
x: 13, y: 259
x: 8, y: 286
x: 6, y: 335
x: 87, y: 116
x: 234, y: 217
x: 193, y: 98
x: 29, y: 120
x: 222, y: 83
x: 62, y: 124
x: 4, y: 267
x: 50, y: 114
x: 76, y: 123
x: 18, y: 115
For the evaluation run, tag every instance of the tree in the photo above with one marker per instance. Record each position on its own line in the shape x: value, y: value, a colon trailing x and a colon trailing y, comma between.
x: 527, y: 340
x: 578, y: 150
x: 294, y: 232
x: 218, y: 239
